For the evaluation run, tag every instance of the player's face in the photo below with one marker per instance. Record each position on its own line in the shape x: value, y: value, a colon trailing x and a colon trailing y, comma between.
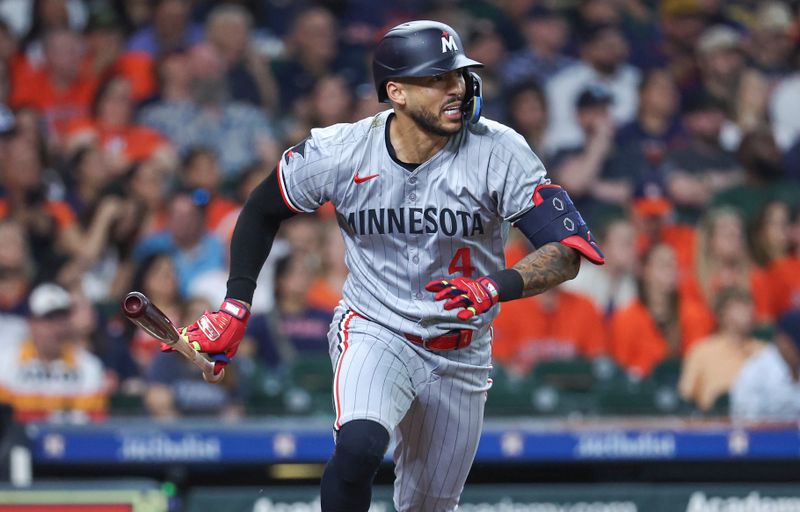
x: 434, y: 102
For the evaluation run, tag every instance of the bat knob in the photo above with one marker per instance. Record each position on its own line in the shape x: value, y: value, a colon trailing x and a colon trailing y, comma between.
x: 216, y: 378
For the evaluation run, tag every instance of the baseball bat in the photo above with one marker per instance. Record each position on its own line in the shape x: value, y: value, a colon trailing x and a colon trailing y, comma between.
x: 146, y: 315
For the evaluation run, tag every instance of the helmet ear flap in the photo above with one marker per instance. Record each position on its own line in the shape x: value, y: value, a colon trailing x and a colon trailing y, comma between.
x: 472, y: 99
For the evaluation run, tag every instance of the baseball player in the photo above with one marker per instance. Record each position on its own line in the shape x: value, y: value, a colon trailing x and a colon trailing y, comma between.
x: 425, y: 194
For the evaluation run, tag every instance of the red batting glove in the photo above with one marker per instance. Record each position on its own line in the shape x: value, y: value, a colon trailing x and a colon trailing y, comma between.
x: 475, y: 296
x: 218, y: 334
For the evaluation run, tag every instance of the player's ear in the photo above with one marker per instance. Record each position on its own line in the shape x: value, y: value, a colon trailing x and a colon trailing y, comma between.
x: 396, y: 92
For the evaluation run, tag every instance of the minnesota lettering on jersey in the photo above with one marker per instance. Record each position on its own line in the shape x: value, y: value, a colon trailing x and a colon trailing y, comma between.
x: 415, y: 221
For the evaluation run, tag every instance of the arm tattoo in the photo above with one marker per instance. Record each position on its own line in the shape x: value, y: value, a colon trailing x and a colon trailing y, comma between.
x: 546, y: 267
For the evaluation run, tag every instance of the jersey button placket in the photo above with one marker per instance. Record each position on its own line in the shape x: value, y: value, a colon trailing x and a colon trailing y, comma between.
x: 413, y: 244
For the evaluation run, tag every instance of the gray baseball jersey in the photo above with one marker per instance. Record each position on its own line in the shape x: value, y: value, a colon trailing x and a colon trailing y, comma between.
x: 449, y: 217
x: 402, y: 229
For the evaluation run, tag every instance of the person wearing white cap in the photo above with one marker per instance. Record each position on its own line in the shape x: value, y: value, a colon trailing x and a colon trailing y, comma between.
x: 46, y: 377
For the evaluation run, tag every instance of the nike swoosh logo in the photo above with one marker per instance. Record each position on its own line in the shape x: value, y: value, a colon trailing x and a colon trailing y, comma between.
x: 359, y: 179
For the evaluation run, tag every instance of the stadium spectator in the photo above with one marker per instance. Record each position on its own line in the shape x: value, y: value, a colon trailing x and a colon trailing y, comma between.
x: 750, y: 109
x: 791, y: 160
x: 229, y: 29
x: 330, y: 102
x: 193, y: 249
x: 613, y: 285
x: 304, y: 235
x: 239, y: 133
x: 366, y: 103
x: 770, y: 46
x: 38, y: 17
x: 546, y: 34
x: 783, y: 275
x: 326, y: 290
x: 200, y: 169
x: 526, y: 111
x: 721, y: 64
x: 47, y: 376
x: 580, y: 169
x: 770, y: 234
x: 642, y: 144
x: 603, y: 52
x: 699, y: 167
x: 711, y: 366
x: 554, y: 325
x: 130, y: 350
x: 654, y: 218
x: 107, y: 55
x: 211, y: 284
x: 485, y: 44
x: 61, y: 89
x: 784, y: 111
x: 312, y: 51
x: 768, y: 385
x: 17, y: 273
x: 293, y: 328
x: 175, y: 388
x: 171, y: 29
x: 49, y: 224
x: 111, y: 126
x: 770, y: 246
x: 87, y: 175
x: 682, y: 23
x: 764, y: 179
x: 661, y: 323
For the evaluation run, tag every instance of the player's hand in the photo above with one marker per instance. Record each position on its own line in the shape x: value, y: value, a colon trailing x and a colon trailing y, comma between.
x: 219, y: 333
x: 475, y: 296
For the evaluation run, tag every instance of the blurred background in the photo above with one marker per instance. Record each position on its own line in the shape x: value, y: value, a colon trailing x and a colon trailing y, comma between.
x: 132, y: 131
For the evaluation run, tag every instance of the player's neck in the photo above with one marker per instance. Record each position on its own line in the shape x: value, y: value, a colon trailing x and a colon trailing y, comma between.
x: 411, y: 144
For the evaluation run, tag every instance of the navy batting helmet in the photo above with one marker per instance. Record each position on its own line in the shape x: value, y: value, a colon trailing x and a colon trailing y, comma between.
x: 424, y: 48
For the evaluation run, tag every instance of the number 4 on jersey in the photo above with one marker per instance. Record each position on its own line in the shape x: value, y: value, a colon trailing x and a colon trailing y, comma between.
x: 461, y: 263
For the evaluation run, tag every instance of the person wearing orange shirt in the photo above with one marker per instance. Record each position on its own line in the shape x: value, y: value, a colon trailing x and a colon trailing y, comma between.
x: 107, y: 56
x: 200, y: 169
x: 654, y: 217
x: 771, y: 246
x: 326, y: 291
x: 111, y: 127
x: 661, y: 323
x: 556, y: 324
x: 50, y: 224
x: 62, y: 89
x: 781, y: 282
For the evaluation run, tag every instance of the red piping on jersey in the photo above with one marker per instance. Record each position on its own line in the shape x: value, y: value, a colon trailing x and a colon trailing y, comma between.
x: 345, y: 344
x: 284, y: 195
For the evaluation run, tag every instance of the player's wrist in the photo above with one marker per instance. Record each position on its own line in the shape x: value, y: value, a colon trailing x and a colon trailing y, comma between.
x: 508, y: 283
x: 236, y: 308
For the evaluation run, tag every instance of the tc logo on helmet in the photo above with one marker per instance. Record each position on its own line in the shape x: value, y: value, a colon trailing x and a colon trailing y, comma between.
x: 448, y: 43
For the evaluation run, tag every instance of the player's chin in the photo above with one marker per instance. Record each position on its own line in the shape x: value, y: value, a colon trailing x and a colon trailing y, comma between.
x: 450, y: 123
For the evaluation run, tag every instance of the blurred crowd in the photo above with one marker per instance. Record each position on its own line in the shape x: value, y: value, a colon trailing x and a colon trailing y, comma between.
x: 131, y: 132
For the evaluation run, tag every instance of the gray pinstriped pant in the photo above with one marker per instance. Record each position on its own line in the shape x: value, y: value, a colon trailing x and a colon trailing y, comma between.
x: 431, y: 404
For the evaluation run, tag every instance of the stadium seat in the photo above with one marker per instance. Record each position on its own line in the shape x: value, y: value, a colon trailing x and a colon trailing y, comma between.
x: 310, y: 380
x: 126, y: 404
x: 667, y: 372
x: 509, y: 394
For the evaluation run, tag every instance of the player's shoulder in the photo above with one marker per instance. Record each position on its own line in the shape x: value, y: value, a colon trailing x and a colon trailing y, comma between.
x: 343, y: 134
x: 496, y: 134
x: 494, y: 130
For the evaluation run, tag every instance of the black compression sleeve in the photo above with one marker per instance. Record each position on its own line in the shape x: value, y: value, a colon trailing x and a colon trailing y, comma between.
x: 253, y: 235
